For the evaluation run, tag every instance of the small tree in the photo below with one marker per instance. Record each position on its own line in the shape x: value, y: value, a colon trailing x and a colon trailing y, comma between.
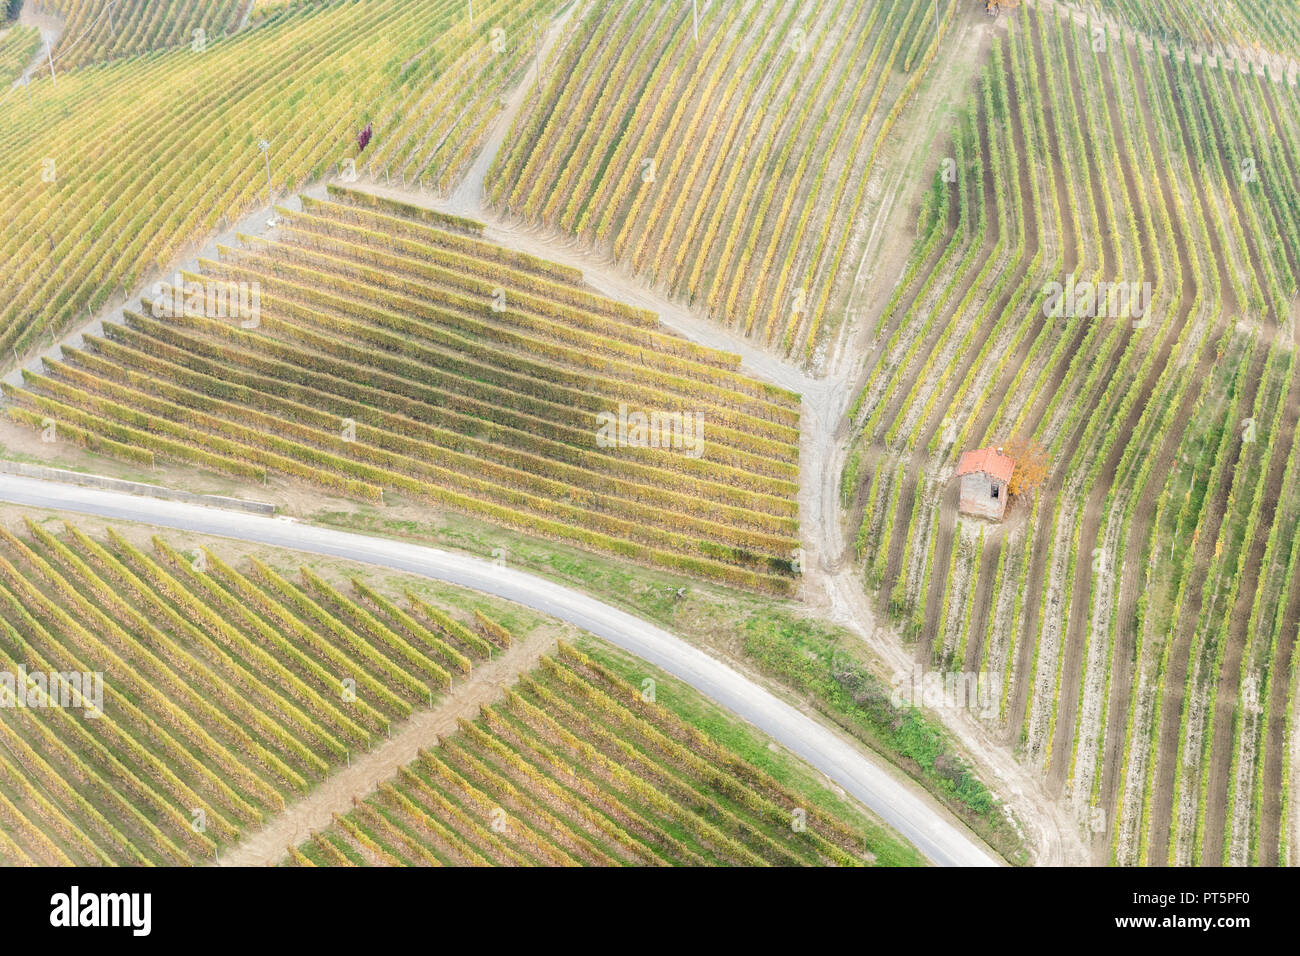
x: 1031, y: 465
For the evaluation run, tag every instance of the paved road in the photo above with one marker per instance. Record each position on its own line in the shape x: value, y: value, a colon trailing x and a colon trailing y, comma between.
x: 875, y: 786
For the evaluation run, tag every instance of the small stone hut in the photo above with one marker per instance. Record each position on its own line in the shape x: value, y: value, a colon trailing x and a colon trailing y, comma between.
x: 985, y: 479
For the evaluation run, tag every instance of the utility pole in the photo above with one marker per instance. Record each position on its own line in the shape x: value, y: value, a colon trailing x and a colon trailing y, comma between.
x: 471, y: 12
x: 695, y: 18
x: 50, y: 56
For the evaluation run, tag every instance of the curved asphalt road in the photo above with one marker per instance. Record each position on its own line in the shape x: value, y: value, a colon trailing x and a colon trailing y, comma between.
x: 914, y: 818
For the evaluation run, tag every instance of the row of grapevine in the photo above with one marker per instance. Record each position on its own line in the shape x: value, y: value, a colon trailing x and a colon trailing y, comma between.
x: 445, y: 369
x: 1164, y: 171
x: 220, y: 695
x: 707, y: 167
x: 110, y: 173
x: 576, y: 767
x: 17, y: 46
x: 98, y: 30
x: 1235, y: 28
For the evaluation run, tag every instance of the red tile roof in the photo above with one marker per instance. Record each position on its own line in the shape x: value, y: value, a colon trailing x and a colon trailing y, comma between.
x: 988, y: 460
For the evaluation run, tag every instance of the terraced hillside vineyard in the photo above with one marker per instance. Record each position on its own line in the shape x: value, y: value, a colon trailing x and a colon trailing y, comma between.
x: 731, y: 171
x: 107, y: 174
x: 575, y: 768
x: 395, y: 350
x: 1128, y: 307
x: 224, y: 694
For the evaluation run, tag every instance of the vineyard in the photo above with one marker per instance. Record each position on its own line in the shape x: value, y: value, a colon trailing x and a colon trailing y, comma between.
x: 226, y: 693
x: 399, y: 267
x: 1140, y: 610
x: 107, y: 174
x: 98, y: 30
x: 730, y: 172
x: 1245, y: 25
x: 575, y: 767
x: 17, y: 46
x: 396, y: 351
